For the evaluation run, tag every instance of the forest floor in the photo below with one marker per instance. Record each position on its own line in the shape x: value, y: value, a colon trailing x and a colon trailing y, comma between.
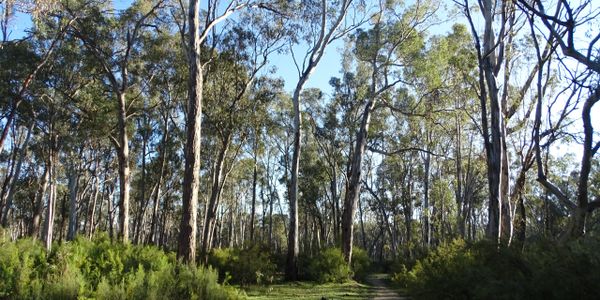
x: 375, y: 287
x: 381, y: 289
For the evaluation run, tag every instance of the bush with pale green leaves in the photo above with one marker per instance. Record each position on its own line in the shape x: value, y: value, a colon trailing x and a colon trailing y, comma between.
x: 100, y: 269
x: 328, y: 265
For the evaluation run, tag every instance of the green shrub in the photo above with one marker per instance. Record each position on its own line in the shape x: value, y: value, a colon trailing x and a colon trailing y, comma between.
x: 459, y: 270
x: 251, y: 265
x: 328, y: 266
x: 100, y: 269
x: 21, y: 263
x: 361, y: 263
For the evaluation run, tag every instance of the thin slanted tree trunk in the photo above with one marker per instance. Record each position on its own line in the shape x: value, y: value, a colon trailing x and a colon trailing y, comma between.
x: 11, y: 192
x: 186, y: 249
x: 219, y: 175
x: 385, y: 218
x: 63, y: 218
x: 153, y: 237
x: 272, y: 196
x: 110, y: 216
x: 362, y: 225
x: 92, y: 209
x: 8, y: 179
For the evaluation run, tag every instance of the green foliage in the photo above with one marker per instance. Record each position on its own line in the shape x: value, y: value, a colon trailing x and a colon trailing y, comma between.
x: 459, y: 270
x: 20, y: 264
x: 361, y: 263
x: 102, y: 270
x: 328, y: 266
x: 245, y: 266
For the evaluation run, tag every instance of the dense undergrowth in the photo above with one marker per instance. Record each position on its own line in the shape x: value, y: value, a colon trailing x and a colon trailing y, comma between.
x: 99, y: 269
x: 255, y: 264
x: 544, y: 270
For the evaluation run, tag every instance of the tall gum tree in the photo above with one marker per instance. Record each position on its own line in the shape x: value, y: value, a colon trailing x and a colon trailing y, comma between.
x: 323, y: 28
x: 199, y: 27
x: 384, y: 49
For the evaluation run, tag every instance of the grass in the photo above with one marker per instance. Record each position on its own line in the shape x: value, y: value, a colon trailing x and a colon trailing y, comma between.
x: 310, y: 290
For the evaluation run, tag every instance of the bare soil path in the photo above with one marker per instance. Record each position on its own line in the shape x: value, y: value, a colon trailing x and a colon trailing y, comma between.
x: 380, y: 288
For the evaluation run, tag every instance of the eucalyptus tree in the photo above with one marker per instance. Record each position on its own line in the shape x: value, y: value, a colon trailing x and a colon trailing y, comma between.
x: 232, y: 76
x: 565, y: 27
x: 113, y: 41
x: 198, y: 35
x: 319, y: 24
x: 448, y: 101
x: 267, y: 92
x: 38, y: 10
x: 501, y: 96
x: 165, y: 93
x: 394, y: 39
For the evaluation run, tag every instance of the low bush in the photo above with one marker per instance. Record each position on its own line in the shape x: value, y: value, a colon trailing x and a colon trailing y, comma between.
x: 102, y: 270
x: 244, y: 266
x: 327, y: 266
x: 460, y: 270
x: 361, y: 263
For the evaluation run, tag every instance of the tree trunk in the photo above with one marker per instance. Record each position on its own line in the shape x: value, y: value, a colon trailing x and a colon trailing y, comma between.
x: 495, y: 146
x: 11, y: 192
x: 191, y: 179
x: 73, y: 192
x: 215, y: 195
x: 254, y: 183
x: 143, y: 203
x: 579, y: 215
x: 50, y: 211
x: 38, y: 205
x: 426, y: 210
x: 11, y: 165
x: 124, y: 176
x: 92, y: 211
x: 163, y: 160
x: 354, y: 182
x: 291, y: 269
x: 335, y: 205
x: 459, y: 195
